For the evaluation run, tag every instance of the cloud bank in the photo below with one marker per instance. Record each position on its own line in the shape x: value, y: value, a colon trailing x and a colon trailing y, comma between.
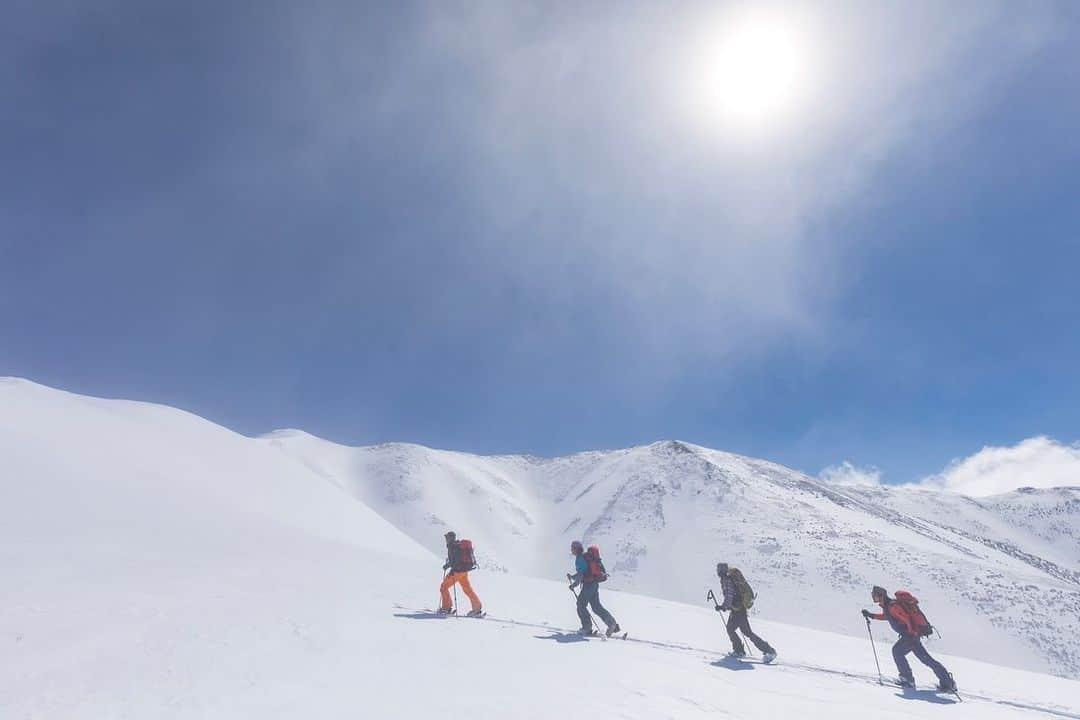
x: 1038, y: 462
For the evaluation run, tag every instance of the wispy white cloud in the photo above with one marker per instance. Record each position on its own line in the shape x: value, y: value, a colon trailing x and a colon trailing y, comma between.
x: 1039, y: 462
x: 848, y: 474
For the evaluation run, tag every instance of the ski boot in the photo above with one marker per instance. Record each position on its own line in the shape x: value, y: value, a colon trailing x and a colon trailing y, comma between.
x: 586, y: 631
x: 475, y: 613
x: 444, y: 611
x: 768, y: 657
x: 908, y: 683
x: 613, y: 629
x: 738, y: 654
x: 947, y: 685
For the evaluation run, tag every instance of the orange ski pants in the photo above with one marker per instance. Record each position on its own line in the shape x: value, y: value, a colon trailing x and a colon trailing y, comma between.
x: 462, y: 579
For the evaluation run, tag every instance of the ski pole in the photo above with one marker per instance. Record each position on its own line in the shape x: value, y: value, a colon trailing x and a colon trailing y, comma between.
x: 746, y: 642
x: 716, y: 605
x: 712, y: 596
x: 871, y: 634
x: 595, y: 622
x: 455, y: 598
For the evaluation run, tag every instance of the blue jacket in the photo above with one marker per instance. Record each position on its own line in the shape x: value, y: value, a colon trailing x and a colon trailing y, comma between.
x: 581, y: 567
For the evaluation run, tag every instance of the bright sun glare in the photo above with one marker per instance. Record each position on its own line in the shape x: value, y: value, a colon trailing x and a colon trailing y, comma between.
x: 755, y: 71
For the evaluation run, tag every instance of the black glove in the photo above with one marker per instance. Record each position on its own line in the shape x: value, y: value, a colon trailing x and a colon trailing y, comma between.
x: 725, y: 608
x: 446, y: 567
x: 866, y: 614
x: 717, y: 608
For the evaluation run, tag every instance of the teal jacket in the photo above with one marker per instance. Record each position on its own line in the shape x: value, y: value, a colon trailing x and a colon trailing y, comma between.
x: 581, y: 568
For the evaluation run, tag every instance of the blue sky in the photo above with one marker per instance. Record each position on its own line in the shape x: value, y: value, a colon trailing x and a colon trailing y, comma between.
x: 510, y: 228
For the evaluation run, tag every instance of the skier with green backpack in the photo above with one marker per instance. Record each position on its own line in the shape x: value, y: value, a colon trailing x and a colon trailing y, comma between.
x: 739, y: 598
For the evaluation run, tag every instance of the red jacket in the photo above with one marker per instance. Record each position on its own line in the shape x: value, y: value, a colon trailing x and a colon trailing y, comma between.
x: 897, y: 617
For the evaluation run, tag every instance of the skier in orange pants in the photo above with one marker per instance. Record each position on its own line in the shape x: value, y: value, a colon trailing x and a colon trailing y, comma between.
x: 459, y: 561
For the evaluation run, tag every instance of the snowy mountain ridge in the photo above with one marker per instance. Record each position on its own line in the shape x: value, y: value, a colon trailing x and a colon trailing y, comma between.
x: 163, y: 566
x: 1000, y: 576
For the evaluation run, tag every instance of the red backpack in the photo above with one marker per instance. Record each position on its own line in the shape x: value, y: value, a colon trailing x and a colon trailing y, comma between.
x: 596, y: 571
x: 910, y: 605
x: 466, y: 558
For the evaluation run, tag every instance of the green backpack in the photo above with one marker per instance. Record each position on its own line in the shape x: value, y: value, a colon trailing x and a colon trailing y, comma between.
x: 742, y: 588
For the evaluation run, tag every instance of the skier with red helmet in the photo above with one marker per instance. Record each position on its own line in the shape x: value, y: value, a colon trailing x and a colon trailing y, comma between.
x: 589, y: 573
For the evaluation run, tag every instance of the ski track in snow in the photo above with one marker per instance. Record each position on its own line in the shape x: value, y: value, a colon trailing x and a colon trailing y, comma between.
x: 780, y: 665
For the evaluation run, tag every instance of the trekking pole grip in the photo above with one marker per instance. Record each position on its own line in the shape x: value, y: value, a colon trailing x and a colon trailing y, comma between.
x: 712, y: 596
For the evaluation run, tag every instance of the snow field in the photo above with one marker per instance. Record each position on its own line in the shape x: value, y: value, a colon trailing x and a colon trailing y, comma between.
x: 158, y: 566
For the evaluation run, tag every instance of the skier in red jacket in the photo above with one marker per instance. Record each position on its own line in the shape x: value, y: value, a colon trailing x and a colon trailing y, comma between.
x: 909, y: 641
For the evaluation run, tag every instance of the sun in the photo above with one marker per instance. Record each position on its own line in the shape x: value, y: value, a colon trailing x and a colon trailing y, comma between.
x: 754, y: 71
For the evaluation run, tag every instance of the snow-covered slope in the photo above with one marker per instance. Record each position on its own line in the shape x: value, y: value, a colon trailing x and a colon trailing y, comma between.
x: 158, y: 566
x: 999, y: 576
x: 84, y: 470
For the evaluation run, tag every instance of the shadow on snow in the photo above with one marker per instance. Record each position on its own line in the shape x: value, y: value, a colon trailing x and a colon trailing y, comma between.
x: 930, y: 696
x: 563, y: 637
x: 422, y: 616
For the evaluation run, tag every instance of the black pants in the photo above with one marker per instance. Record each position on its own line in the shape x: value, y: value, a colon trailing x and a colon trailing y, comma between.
x: 738, y: 621
x: 907, y: 644
x: 590, y: 595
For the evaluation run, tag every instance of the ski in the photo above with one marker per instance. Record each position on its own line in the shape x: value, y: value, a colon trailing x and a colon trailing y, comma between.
x: 431, y: 613
x: 897, y: 684
x: 603, y: 636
